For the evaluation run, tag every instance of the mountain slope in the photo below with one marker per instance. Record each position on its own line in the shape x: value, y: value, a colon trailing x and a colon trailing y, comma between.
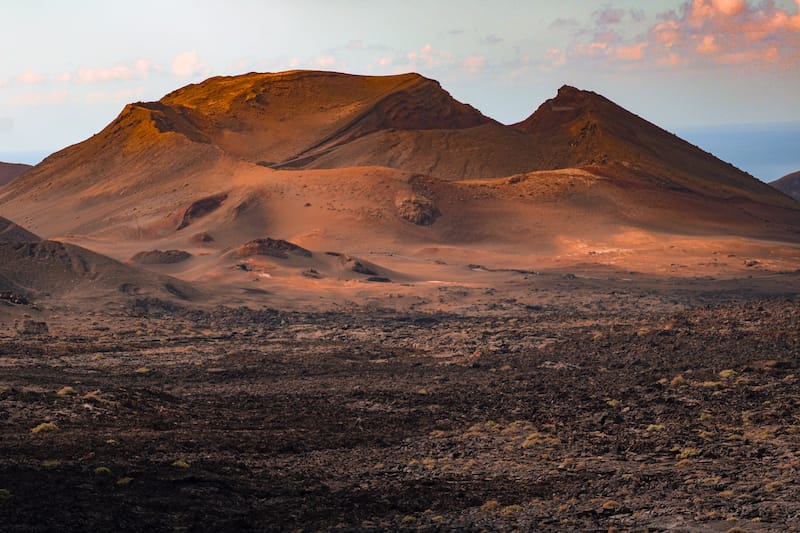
x: 789, y: 184
x: 10, y: 232
x: 9, y: 171
x: 39, y: 268
x: 583, y: 129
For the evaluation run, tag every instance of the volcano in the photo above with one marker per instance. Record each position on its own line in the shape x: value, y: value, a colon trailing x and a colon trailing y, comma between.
x: 390, y: 165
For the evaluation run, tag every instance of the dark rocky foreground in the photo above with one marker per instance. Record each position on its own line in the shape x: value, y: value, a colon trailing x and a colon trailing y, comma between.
x: 671, y: 410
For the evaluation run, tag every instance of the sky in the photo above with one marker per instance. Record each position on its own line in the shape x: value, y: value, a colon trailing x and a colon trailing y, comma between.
x: 694, y: 67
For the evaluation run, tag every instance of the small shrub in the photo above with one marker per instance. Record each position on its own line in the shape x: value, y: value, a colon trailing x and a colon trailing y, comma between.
x: 677, y: 380
x: 5, y: 495
x: 655, y: 427
x: 180, y: 463
x: 45, y: 426
x: 142, y: 370
x: 65, y: 391
x: 611, y: 504
x: 50, y: 463
x: 727, y: 374
x: 511, y: 509
x: 102, y: 471
x: 772, y: 487
x: 490, y: 505
x: 685, y: 453
x: 121, y: 482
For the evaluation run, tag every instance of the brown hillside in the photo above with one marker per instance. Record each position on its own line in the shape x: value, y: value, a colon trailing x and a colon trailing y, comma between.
x: 583, y: 129
x: 789, y: 184
x: 50, y: 268
x: 10, y: 232
x: 9, y: 171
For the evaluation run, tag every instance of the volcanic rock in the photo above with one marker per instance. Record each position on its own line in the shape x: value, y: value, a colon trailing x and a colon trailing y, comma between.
x: 158, y: 257
x: 272, y: 247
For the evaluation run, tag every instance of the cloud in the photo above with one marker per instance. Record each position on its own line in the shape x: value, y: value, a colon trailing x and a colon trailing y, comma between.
x: 6, y: 124
x: 608, y: 16
x: 187, y: 65
x: 555, y: 57
x: 30, y: 77
x: 561, y: 23
x: 731, y: 32
x: 138, y: 69
x: 327, y: 61
x: 474, y: 64
x: 42, y: 98
x: 637, y: 15
x: 428, y: 57
x: 64, y: 76
x: 701, y: 33
x: 631, y: 53
x: 122, y: 95
x: 493, y: 39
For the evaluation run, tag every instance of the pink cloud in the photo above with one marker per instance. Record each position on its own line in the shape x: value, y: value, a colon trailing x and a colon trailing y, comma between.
x: 30, y: 77
x: 324, y: 62
x: 708, y: 46
x: 474, y: 64
x: 703, y: 32
x: 555, y: 57
x: 138, y: 69
x: 427, y: 58
x: 187, y: 65
x: 732, y: 32
x: 631, y: 53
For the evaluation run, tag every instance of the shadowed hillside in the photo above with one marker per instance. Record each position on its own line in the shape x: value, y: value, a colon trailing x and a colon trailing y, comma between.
x: 789, y: 184
x: 9, y: 171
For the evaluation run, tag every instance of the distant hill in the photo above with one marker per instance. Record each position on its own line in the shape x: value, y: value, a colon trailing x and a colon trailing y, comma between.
x: 789, y: 184
x: 9, y: 171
